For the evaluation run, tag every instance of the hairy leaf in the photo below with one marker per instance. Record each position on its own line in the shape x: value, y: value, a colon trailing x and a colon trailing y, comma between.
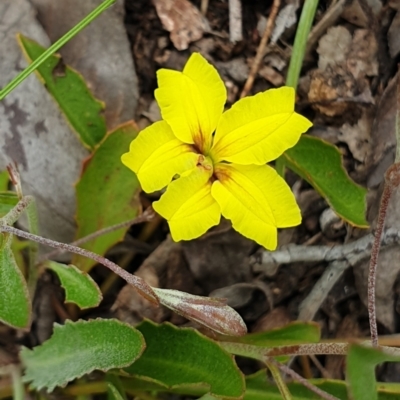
x: 79, y: 287
x: 15, y: 304
x: 175, y: 357
x: 78, y: 348
x: 7, y: 201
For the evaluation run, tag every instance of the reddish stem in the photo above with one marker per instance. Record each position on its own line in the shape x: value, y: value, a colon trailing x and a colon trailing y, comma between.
x: 138, y: 283
x: 392, y: 180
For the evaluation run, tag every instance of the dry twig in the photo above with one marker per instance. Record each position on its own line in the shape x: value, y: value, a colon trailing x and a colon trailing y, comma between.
x: 261, y: 49
x: 204, y: 7
x: 339, y: 258
x: 330, y: 17
x: 235, y: 21
x: 350, y: 253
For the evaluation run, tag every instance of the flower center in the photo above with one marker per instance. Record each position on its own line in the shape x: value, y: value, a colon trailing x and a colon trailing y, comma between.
x: 205, y: 163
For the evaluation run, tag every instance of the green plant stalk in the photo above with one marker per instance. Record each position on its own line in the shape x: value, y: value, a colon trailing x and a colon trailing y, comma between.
x: 55, y: 47
x: 296, y: 60
x: 300, y: 42
x: 276, y: 374
x: 18, y: 386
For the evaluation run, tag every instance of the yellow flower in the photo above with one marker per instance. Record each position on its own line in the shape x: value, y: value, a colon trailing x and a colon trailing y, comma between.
x: 219, y: 157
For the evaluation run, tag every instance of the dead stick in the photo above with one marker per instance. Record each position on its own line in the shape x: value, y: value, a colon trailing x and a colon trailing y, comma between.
x: 235, y: 21
x: 261, y: 49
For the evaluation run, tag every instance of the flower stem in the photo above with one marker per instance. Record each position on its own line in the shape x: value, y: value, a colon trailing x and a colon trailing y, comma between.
x: 54, y: 47
x: 138, y: 283
x: 300, y: 42
x: 392, y: 181
x: 397, y: 127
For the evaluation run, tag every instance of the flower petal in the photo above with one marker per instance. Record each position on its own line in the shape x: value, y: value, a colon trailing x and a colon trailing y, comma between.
x: 192, y: 101
x: 257, y: 201
x: 188, y: 206
x: 156, y: 155
x: 259, y: 128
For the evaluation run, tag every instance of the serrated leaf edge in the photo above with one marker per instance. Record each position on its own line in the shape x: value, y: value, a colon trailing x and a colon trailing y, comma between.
x: 69, y: 322
x: 69, y: 301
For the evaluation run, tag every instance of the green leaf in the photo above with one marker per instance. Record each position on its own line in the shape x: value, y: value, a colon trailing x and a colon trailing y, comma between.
x: 294, y: 333
x: 79, y: 287
x: 7, y: 202
x: 176, y: 357
x: 4, y: 180
x: 360, y: 372
x: 254, y: 345
x: 320, y: 164
x: 69, y: 89
x: 259, y: 388
x: 107, y: 194
x: 15, y: 304
x: 115, y: 390
x: 78, y: 348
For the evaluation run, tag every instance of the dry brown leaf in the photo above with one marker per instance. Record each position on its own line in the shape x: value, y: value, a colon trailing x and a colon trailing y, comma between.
x: 345, y: 62
x: 362, y: 59
x: 333, y: 47
x: 271, y: 75
x: 286, y: 18
x: 182, y: 19
x: 165, y: 267
x: 251, y: 300
x: 383, y: 139
x: 237, y: 69
x: 277, y: 318
x: 219, y: 259
x: 394, y: 36
x: 331, y: 90
x: 355, y: 14
x: 358, y: 136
